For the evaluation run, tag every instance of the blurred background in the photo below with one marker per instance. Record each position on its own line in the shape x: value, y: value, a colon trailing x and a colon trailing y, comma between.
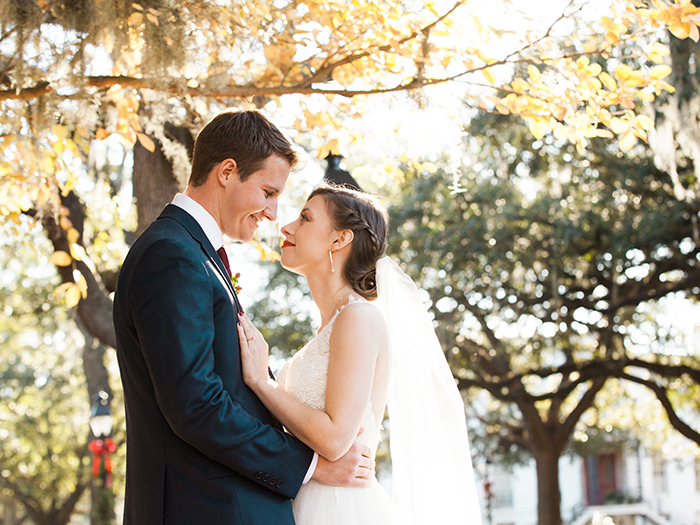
x: 540, y: 162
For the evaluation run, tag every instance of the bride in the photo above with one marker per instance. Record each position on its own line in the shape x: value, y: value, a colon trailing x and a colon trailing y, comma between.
x: 376, y: 347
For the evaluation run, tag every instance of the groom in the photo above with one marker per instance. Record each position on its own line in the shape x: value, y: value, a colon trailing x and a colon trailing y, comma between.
x: 201, y: 448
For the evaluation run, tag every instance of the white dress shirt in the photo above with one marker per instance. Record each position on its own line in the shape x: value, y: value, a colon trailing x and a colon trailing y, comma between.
x: 216, y: 238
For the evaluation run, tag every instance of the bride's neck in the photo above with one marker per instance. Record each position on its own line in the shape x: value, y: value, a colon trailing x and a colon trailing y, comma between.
x: 329, y: 294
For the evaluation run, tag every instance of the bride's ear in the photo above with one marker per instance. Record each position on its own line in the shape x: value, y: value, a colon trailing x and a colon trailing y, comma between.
x: 343, y: 239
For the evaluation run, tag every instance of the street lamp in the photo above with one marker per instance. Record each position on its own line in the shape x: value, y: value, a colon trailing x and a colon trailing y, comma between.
x: 100, y: 416
x: 102, y: 446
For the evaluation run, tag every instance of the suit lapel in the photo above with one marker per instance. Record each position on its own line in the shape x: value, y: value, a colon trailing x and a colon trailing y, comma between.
x: 195, y: 230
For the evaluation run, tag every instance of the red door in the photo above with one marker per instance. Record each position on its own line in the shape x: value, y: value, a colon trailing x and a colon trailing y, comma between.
x: 600, y: 478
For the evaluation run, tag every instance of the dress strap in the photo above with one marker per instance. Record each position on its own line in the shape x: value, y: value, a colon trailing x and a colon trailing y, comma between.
x: 351, y: 300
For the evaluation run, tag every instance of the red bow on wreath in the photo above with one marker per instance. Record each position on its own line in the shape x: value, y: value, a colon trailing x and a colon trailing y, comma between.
x: 102, y: 449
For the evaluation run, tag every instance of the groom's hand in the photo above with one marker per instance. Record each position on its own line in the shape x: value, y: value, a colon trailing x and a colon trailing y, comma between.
x: 354, y: 469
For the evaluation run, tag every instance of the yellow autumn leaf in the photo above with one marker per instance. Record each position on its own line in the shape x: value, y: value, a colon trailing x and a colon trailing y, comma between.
x: 608, y: 81
x: 590, y: 47
x: 136, y: 19
x: 152, y: 18
x: 618, y: 126
x: 627, y: 141
x: 679, y: 29
x: 595, y: 83
x: 533, y: 72
x: 646, y: 96
x: 430, y: 167
x: 72, y: 235
x: 660, y: 84
x: 60, y: 258
x: 612, y: 38
x: 657, y: 52
x: 137, y: 6
x: 640, y: 133
x: 80, y: 282
x: 266, y: 254
x: 146, y: 142
x: 60, y: 131
x: 201, y: 107
x: 62, y: 289
x: 561, y: 131
x: 322, y: 152
x: 488, y: 74
x: 594, y: 69
x: 73, y: 296
x: 520, y: 85
x: 645, y: 122
x: 77, y: 252
x: 102, y: 134
x: 608, y: 24
x: 43, y: 196
x: 134, y: 121
x: 59, y: 147
x: 623, y: 72
x: 659, y: 48
x: 538, y: 128
x: 658, y: 72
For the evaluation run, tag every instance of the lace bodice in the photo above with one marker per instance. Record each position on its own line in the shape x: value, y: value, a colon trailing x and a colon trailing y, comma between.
x: 304, y: 377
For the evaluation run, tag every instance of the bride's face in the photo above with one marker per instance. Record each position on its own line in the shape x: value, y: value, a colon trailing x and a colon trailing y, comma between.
x: 308, y: 239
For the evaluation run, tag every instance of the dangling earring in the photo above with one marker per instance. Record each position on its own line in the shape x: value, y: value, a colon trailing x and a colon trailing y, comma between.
x: 331, y: 256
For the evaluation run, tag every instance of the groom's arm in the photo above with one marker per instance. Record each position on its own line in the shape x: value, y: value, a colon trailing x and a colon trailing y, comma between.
x: 173, y: 296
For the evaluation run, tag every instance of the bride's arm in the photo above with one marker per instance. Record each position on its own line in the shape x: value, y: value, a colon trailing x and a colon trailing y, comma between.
x: 358, y: 337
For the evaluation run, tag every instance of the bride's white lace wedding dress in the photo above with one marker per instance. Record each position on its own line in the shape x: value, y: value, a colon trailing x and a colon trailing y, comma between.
x: 304, y: 377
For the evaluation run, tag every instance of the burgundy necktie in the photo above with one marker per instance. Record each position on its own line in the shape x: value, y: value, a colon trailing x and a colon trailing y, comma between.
x: 224, y: 259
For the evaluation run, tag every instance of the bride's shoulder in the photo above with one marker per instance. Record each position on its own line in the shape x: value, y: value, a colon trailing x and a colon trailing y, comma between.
x: 360, y: 315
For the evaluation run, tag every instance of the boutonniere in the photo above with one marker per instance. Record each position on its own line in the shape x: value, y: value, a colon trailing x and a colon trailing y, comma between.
x: 234, y: 280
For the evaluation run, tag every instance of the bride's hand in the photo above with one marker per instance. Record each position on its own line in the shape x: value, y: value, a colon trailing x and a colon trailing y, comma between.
x: 254, y: 352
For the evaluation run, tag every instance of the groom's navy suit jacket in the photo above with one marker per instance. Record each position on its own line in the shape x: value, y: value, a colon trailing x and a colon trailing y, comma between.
x: 201, y: 448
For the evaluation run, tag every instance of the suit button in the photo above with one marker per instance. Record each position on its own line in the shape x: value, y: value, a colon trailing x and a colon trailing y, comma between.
x: 258, y: 475
x: 279, y: 483
x: 273, y: 480
x: 266, y: 477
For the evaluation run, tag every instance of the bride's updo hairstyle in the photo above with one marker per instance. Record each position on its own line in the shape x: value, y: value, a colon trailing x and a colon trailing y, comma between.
x: 367, y: 218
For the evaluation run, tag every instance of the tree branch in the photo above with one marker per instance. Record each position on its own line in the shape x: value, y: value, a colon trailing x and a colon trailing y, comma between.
x: 95, y: 310
x: 566, y: 428
x: 661, y: 395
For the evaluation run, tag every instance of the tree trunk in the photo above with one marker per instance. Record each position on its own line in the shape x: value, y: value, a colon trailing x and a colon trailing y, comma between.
x: 548, y: 493
x: 153, y: 180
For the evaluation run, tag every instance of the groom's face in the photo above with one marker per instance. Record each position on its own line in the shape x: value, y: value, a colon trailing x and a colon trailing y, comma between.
x: 248, y: 203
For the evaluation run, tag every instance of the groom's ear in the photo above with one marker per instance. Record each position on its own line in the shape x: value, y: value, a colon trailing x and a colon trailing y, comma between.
x: 226, y: 171
x: 343, y: 239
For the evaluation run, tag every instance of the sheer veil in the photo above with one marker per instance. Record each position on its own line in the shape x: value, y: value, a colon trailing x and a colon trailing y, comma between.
x: 432, y: 474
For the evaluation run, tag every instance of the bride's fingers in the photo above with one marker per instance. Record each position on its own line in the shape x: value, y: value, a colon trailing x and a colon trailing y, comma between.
x: 247, y: 324
x: 242, y: 338
x: 250, y: 330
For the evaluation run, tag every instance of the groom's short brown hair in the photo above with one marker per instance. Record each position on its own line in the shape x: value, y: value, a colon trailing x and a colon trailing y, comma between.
x: 247, y: 137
